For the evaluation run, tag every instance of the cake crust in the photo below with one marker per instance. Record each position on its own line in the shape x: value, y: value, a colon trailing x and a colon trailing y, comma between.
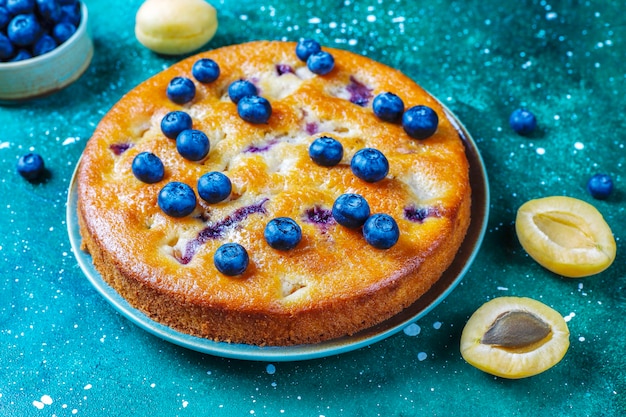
x: 333, y: 283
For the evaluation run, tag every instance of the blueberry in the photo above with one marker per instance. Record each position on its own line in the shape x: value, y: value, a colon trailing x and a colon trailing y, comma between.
x: 351, y: 210
x: 326, y: 151
x: 369, y: 165
x: 231, y: 259
x: 16, y: 7
x: 306, y: 47
x: 23, y: 30
x: 175, y: 122
x: 181, y: 90
x: 523, y: 122
x: 177, y: 199
x: 31, y: 166
x: 214, y: 187
x: 70, y: 12
x: 63, y: 31
x: 205, y: 70
x: 5, y: 17
x: 49, y: 10
x: 283, y: 233
x: 6, y: 47
x: 388, y: 107
x: 240, y: 89
x: 21, y: 55
x: 147, y: 167
x: 381, y: 231
x: 420, y: 122
x: 44, y: 44
x: 600, y: 186
x: 193, y: 144
x: 320, y: 63
x: 254, y: 109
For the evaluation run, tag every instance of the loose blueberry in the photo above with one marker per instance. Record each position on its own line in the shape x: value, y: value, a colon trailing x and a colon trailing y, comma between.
x: 63, y: 31
x: 326, y: 151
x: 31, y: 166
x: 231, y: 259
x: 306, y: 47
x: 23, y: 30
x: 181, y: 90
x: 381, y: 231
x: 70, y: 12
x: 522, y: 121
x: 205, y: 70
x: 420, y: 122
x: 320, y: 63
x: 600, y: 186
x: 177, y: 199
x: 369, y: 165
x: 388, y: 107
x: 283, y: 233
x: 254, y: 109
x: 351, y: 210
x: 48, y: 10
x: 5, y: 17
x: 44, y: 44
x: 193, y: 144
x: 214, y: 187
x: 16, y: 7
x: 175, y: 122
x: 148, y: 168
x: 240, y: 89
x: 6, y: 47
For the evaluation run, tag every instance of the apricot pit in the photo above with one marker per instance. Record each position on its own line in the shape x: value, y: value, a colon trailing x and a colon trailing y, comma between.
x: 514, y: 337
x: 566, y: 236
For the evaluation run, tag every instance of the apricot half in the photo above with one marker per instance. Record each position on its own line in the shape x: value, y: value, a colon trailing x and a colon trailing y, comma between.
x: 514, y: 337
x: 566, y: 236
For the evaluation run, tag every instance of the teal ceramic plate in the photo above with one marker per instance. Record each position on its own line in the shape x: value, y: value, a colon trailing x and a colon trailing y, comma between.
x: 451, y: 277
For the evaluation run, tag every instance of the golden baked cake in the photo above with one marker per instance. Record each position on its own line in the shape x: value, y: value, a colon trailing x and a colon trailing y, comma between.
x: 334, y: 278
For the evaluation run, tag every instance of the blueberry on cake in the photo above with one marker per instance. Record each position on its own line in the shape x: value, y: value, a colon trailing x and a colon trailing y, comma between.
x: 274, y: 193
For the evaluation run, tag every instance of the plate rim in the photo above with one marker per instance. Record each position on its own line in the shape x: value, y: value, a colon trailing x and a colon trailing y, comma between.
x: 478, y: 227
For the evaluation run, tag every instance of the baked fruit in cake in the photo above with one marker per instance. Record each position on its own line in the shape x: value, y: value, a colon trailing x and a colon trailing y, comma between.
x: 321, y: 218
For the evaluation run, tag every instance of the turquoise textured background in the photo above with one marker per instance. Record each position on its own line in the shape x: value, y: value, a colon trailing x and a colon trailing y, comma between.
x: 64, y: 351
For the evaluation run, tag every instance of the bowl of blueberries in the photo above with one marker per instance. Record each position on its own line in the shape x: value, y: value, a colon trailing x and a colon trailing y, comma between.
x: 45, y: 45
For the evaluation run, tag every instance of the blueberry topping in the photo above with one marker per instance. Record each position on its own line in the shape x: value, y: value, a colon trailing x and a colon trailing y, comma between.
x: 319, y: 216
x: 177, y: 199
x: 360, y: 94
x: 369, y: 165
x: 600, y: 186
x: 283, y: 233
x: 240, y: 89
x: 420, y: 214
x: 119, y: 148
x: 420, y: 122
x: 320, y: 63
x: 205, y: 70
x: 45, y: 43
x: 30, y: 166
x: 388, y: 107
x: 63, y: 31
x: 214, y: 187
x: 522, y: 121
x: 351, y: 210
x: 181, y: 90
x: 381, y: 231
x: 231, y: 259
x: 306, y: 47
x: 175, y: 122
x: 23, y: 30
x: 148, y: 168
x: 284, y: 69
x: 254, y: 109
x: 193, y: 144
x: 326, y: 151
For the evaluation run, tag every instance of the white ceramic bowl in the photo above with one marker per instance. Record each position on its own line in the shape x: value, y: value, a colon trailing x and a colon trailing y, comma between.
x: 50, y: 72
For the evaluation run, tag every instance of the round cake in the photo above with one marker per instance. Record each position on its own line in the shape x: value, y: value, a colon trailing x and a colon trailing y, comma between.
x: 335, y: 278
